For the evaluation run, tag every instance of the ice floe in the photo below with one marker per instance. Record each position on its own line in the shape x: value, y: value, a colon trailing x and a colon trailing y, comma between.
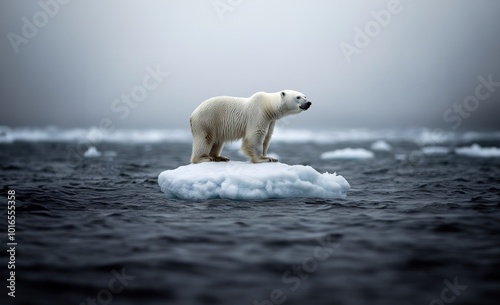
x: 348, y: 153
x: 248, y: 181
x: 92, y: 152
x: 380, y: 145
x: 477, y: 151
x: 435, y: 150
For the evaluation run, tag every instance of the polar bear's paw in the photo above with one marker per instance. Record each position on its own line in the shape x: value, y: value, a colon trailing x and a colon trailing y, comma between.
x: 265, y: 160
x: 207, y: 158
x: 219, y: 159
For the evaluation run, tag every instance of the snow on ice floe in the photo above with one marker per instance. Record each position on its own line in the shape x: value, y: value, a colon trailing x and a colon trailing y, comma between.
x: 477, y: 151
x: 435, y: 150
x: 247, y: 181
x: 380, y: 145
x: 348, y: 153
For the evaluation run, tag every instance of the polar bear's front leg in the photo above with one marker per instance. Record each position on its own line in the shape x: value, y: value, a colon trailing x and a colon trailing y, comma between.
x: 253, y: 146
x: 267, y: 140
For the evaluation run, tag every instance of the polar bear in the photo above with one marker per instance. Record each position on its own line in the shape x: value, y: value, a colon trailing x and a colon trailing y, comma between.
x: 224, y: 118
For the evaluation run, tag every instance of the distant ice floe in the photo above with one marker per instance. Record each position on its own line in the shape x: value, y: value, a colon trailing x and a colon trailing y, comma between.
x: 92, y: 152
x: 435, y: 150
x: 477, y: 151
x: 348, y: 153
x: 380, y: 145
x: 95, y: 135
x: 247, y: 181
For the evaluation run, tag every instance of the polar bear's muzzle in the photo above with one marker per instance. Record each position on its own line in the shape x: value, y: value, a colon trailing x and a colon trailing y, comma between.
x: 305, y: 105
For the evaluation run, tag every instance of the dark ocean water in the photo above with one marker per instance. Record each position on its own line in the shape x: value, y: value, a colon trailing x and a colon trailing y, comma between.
x: 427, y: 232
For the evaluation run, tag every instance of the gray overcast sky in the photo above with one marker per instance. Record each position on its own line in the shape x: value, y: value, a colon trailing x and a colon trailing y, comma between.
x: 426, y: 58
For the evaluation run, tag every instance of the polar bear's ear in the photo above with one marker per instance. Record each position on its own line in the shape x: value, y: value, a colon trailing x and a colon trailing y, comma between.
x: 282, y: 93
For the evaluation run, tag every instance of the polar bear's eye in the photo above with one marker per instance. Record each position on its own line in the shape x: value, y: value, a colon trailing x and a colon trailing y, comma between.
x: 298, y: 97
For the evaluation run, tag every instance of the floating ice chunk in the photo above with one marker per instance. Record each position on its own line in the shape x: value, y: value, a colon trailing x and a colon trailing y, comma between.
x: 477, y: 151
x: 246, y: 181
x: 92, y: 152
x: 381, y: 145
x: 435, y: 136
x: 348, y: 153
x: 435, y: 150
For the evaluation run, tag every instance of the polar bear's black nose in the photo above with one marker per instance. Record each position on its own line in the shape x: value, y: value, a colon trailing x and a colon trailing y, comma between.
x: 305, y: 106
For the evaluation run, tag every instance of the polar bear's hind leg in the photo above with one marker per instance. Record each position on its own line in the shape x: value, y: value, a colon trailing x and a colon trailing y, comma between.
x: 215, y: 153
x: 201, y: 150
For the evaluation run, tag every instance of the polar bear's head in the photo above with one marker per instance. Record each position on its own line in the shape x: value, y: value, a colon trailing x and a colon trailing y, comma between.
x: 294, y: 101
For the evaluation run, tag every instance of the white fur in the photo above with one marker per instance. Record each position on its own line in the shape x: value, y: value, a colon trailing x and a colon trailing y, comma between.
x: 224, y: 118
